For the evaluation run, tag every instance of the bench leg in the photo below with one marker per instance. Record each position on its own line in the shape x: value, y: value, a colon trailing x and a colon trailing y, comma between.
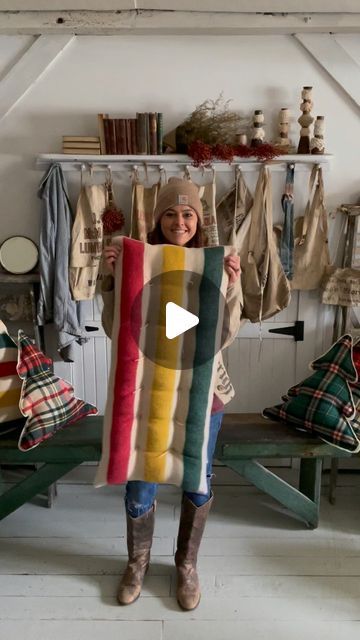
x: 305, y: 506
x: 333, y: 479
x: 48, y: 495
x: 33, y: 484
x: 310, y: 478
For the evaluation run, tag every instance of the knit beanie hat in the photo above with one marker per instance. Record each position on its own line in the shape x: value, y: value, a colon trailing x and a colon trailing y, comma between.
x: 176, y: 192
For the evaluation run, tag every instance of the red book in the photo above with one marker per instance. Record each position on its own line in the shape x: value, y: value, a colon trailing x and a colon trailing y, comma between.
x: 153, y: 133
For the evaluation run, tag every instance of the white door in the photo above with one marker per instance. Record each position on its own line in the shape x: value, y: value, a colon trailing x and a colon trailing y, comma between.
x: 89, y: 374
x: 263, y: 365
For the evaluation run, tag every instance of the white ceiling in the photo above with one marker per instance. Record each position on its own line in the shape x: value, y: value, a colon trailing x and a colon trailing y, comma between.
x: 238, y: 6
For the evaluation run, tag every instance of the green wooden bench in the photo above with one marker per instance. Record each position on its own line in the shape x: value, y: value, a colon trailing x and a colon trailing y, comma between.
x: 243, y: 439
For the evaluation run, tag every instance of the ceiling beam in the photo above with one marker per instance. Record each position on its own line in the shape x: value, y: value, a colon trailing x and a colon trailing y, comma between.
x: 173, y: 22
x: 28, y: 69
x: 335, y: 60
x: 233, y: 6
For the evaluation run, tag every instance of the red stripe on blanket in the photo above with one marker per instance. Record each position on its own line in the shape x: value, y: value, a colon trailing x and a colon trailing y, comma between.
x: 7, y: 369
x: 127, y: 361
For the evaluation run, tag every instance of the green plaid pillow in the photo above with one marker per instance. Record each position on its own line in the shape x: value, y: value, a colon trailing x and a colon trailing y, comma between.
x: 324, y: 403
x: 47, y: 401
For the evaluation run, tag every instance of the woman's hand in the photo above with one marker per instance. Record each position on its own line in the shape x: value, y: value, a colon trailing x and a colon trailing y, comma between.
x: 232, y: 268
x: 111, y: 254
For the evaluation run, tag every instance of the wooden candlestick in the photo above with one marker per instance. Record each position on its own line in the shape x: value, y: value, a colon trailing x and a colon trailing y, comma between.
x: 284, y: 120
x: 258, y: 132
x: 305, y: 120
x: 317, y: 144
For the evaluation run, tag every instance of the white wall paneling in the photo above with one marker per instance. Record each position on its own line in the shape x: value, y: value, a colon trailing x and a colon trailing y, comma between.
x: 26, y: 71
x: 329, y: 53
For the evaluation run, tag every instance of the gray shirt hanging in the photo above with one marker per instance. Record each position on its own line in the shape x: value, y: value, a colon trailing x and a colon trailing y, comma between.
x: 55, y: 302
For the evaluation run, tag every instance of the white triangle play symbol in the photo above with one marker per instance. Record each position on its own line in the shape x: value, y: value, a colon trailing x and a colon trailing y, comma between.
x: 178, y: 320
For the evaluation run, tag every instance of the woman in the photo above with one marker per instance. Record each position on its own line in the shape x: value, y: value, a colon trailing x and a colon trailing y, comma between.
x: 178, y: 220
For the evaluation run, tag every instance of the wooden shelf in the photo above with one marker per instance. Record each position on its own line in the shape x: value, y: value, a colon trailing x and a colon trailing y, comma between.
x: 18, y: 278
x: 72, y: 163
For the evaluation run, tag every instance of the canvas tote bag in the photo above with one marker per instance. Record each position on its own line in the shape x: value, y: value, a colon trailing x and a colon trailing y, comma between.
x: 311, y: 253
x: 266, y: 289
x: 232, y: 209
x: 87, y: 241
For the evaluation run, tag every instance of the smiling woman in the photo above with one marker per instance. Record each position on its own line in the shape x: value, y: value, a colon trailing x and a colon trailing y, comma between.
x: 178, y: 220
x: 178, y: 215
x: 179, y: 224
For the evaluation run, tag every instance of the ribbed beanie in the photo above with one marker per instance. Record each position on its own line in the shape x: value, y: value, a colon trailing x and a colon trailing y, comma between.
x: 175, y: 192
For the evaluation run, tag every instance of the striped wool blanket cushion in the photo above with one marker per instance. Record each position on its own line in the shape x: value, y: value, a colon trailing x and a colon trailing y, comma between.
x: 10, y: 383
x: 156, y: 425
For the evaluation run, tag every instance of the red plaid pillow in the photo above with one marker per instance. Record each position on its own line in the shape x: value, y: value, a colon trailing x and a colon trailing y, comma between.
x: 46, y: 400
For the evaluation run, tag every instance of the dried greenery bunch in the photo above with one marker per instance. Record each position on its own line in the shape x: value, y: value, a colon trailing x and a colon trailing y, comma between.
x: 211, y: 122
x: 209, y: 134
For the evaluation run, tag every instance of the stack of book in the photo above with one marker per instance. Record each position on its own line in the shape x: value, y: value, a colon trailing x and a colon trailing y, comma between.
x: 142, y: 135
x: 81, y: 145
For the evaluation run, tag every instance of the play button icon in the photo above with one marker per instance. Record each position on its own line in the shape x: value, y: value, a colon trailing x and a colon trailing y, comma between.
x: 178, y: 320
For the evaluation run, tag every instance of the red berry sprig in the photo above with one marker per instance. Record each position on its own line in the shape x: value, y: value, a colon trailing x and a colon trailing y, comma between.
x: 112, y: 219
x: 204, y: 154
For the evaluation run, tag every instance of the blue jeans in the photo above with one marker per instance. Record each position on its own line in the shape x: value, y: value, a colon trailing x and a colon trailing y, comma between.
x: 140, y: 495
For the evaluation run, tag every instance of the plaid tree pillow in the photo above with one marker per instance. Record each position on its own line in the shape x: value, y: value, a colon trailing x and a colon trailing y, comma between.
x: 46, y: 400
x: 325, y: 403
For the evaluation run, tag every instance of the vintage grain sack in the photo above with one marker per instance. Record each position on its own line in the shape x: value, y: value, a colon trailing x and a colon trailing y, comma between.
x: 87, y: 241
x: 341, y: 287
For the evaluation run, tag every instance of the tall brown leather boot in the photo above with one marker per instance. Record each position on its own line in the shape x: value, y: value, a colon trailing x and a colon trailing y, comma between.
x: 139, y: 540
x: 191, y: 528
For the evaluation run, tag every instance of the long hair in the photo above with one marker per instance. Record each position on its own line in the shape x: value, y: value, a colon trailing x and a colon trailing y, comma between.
x: 156, y: 236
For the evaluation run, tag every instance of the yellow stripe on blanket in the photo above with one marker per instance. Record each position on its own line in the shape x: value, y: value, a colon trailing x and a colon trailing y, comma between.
x: 164, y: 380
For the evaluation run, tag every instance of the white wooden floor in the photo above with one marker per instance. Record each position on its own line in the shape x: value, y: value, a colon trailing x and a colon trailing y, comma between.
x: 263, y: 574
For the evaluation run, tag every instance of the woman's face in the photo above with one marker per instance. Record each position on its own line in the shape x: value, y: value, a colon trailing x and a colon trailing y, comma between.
x: 179, y: 224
